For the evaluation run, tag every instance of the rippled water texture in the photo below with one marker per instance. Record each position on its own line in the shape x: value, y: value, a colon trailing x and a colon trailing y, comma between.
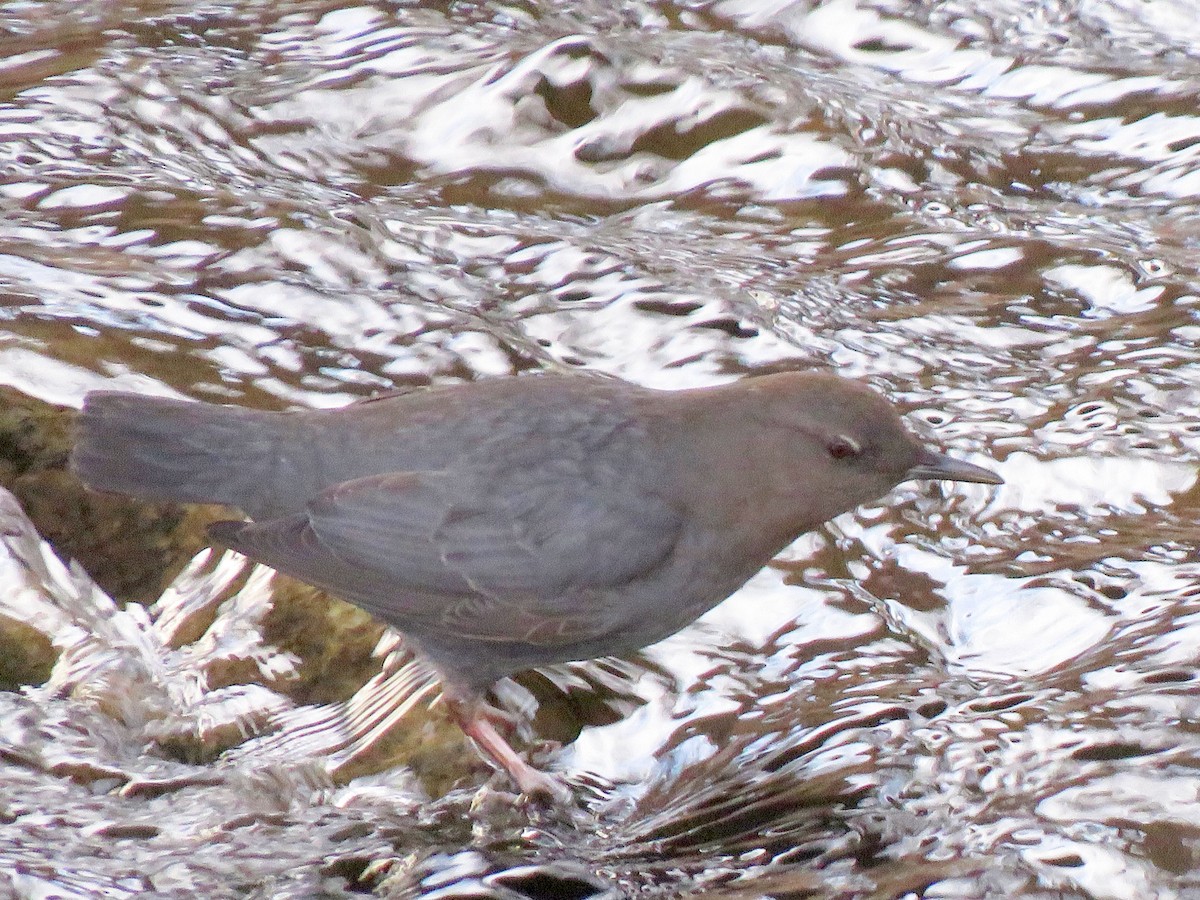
x: 988, y: 211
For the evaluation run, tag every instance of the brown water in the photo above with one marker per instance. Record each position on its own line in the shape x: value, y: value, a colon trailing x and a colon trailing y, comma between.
x: 989, y: 211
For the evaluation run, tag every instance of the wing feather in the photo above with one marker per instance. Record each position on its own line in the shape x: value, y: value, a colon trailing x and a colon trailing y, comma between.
x: 443, y: 553
x: 537, y: 537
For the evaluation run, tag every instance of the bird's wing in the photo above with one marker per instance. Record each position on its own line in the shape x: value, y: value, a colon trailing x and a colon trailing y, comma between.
x: 535, y: 535
x: 432, y: 549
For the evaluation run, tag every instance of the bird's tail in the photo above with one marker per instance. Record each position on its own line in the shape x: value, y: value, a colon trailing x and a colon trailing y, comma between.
x: 161, y: 449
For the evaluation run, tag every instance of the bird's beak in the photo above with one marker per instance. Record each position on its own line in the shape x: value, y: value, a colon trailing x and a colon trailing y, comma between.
x: 935, y: 466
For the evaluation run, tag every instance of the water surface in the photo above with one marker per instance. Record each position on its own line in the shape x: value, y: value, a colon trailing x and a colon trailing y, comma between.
x: 987, y: 211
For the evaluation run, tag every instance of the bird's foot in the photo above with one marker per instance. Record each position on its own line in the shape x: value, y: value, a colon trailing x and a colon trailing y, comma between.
x: 478, y: 722
x: 542, y: 788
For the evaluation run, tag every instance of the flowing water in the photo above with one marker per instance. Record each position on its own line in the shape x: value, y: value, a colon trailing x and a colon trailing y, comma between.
x: 988, y: 211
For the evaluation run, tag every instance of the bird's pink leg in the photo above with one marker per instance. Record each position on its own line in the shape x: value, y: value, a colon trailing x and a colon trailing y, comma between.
x: 478, y: 722
x: 504, y: 722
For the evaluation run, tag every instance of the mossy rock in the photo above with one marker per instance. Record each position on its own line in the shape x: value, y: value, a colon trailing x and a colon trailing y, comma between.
x: 133, y: 549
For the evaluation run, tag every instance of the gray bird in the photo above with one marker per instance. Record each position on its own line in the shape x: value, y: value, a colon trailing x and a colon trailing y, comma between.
x: 517, y: 522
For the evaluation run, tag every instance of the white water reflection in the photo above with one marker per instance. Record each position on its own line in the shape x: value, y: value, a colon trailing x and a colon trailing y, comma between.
x: 1097, y: 485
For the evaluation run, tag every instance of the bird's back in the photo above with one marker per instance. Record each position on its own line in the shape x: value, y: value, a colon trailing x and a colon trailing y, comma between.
x: 271, y: 464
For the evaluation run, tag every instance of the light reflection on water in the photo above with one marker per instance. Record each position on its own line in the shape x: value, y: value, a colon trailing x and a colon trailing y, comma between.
x: 986, y: 212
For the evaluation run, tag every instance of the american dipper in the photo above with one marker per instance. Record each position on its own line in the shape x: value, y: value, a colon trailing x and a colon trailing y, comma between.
x: 517, y: 522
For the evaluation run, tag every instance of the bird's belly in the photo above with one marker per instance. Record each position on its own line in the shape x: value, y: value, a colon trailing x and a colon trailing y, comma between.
x: 613, y: 620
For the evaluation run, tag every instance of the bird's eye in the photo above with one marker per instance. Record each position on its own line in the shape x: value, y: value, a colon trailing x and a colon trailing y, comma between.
x: 842, y: 447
